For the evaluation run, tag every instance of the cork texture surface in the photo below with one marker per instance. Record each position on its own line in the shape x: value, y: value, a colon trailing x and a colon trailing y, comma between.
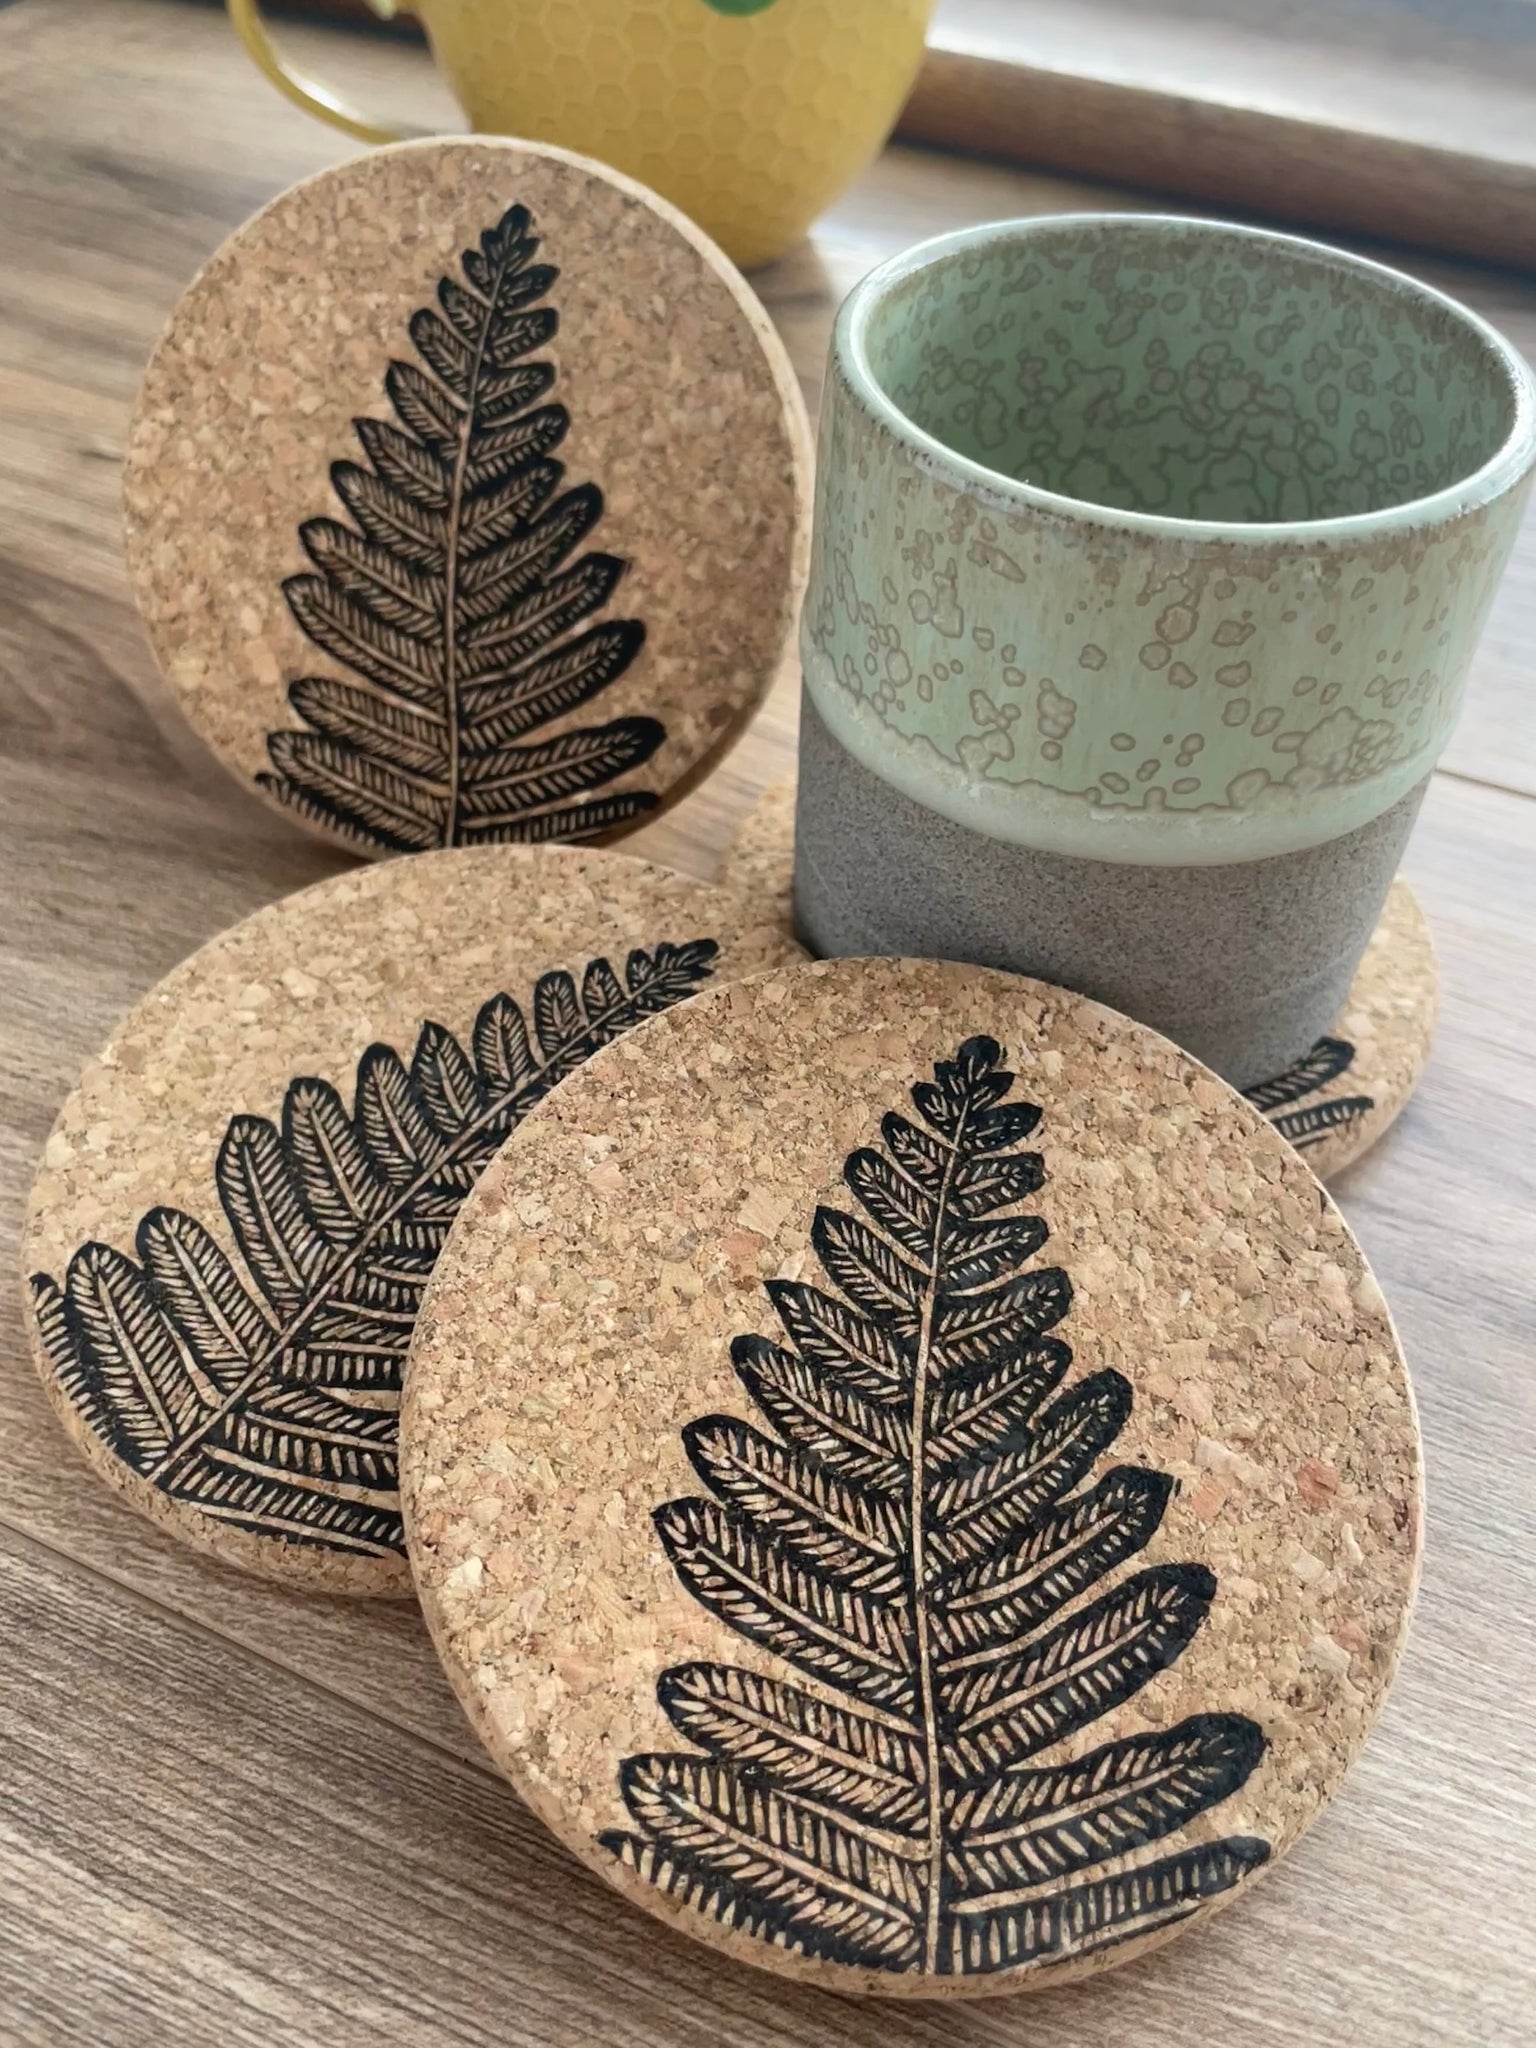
x: 238, y: 1207
x: 901, y: 1540
x: 1333, y: 1104
x: 760, y: 860
x: 466, y: 499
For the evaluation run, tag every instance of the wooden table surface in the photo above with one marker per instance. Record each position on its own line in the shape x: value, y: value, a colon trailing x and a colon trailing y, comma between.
x: 229, y: 1815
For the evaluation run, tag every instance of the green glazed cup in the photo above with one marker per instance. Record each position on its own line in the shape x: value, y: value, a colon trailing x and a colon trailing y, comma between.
x: 1150, y: 555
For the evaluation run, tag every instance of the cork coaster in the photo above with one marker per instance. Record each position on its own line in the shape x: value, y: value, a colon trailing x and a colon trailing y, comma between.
x: 240, y: 1204
x: 856, y: 1234
x: 1333, y: 1104
x: 466, y: 499
x: 760, y: 860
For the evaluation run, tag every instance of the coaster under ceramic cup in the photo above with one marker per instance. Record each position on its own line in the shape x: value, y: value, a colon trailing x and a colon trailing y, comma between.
x: 466, y: 499
x: 240, y: 1203
x: 863, y: 1276
x: 1333, y: 1104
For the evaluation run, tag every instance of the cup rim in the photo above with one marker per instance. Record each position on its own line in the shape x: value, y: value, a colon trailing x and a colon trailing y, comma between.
x: 1504, y: 468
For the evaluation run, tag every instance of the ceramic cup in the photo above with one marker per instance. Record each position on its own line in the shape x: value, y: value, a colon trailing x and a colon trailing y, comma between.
x: 1149, y: 558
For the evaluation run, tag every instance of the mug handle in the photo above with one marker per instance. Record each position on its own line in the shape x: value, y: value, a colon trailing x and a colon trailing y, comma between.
x: 306, y: 92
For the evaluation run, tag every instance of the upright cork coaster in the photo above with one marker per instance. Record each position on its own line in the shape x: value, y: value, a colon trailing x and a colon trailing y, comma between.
x: 241, y: 1202
x: 1333, y: 1104
x: 466, y: 499
x: 859, y: 1239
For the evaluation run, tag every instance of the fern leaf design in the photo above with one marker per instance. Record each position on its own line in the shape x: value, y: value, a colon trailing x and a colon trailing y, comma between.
x: 268, y: 1399
x: 1321, y: 1063
x: 452, y: 600
x: 1310, y: 1123
x: 917, y: 1543
x: 1309, y: 1126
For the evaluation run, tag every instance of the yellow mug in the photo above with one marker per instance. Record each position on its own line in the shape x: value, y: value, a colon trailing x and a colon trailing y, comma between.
x: 750, y: 115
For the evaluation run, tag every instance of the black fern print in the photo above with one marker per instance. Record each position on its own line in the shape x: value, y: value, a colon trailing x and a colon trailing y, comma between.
x: 1309, y: 1125
x: 451, y: 602
x: 269, y: 1399
x: 914, y: 1539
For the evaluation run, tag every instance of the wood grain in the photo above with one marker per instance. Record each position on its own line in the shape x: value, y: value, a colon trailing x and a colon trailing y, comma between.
x: 1368, y: 117
x: 1229, y: 156
x: 233, y: 1814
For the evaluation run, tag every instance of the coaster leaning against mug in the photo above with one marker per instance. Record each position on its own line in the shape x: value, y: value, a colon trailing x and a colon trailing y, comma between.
x: 1332, y: 1104
x: 241, y: 1201
x: 1149, y: 558
x: 466, y: 499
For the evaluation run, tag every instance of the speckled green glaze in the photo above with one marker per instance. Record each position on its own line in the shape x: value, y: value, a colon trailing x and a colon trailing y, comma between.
x: 1152, y: 540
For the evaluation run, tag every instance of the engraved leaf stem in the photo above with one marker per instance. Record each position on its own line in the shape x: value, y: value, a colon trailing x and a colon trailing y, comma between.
x: 933, y: 1758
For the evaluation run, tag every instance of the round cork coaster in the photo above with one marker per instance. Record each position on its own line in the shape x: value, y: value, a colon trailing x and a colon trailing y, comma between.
x: 1333, y: 1104
x: 760, y: 859
x: 913, y: 1481
x: 240, y: 1204
x: 466, y: 499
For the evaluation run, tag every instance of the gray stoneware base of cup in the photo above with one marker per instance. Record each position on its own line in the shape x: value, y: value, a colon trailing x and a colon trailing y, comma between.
x: 1244, y: 965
